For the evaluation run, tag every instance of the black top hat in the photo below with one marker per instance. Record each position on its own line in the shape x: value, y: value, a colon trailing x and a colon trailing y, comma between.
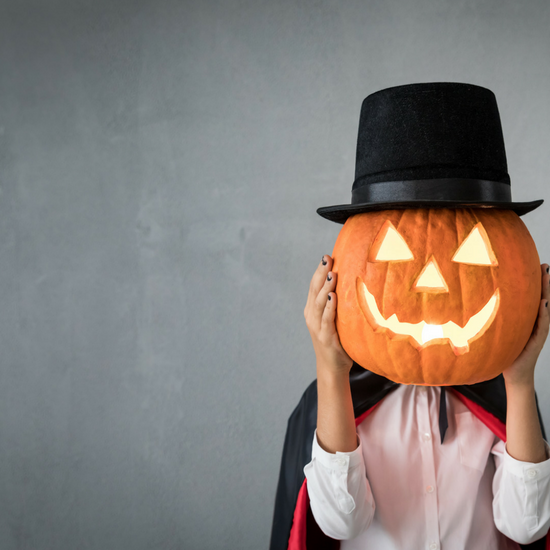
x: 436, y: 144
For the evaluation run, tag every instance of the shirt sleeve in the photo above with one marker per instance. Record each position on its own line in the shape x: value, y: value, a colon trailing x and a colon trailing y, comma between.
x: 340, y: 495
x: 521, y: 496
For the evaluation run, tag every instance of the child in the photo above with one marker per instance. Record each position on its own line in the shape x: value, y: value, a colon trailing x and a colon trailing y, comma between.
x: 428, y: 495
x: 383, y: 471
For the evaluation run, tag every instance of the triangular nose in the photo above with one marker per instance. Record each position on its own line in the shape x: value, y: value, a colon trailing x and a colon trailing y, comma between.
x: 430, y: 278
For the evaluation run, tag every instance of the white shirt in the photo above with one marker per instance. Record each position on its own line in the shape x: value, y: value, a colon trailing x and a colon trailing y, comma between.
x: 401, y: 489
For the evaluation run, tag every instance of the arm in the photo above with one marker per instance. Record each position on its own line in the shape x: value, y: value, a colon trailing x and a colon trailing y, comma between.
x: 523, y: 434
x: 521, y: 486
x: 335, y: 418
x: 340, y: 496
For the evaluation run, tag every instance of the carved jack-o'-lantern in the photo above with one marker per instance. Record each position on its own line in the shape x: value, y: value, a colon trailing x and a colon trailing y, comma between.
x: 436, y: 296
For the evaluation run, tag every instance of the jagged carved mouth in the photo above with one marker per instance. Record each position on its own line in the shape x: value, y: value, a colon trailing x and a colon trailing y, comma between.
x: 422, y: 334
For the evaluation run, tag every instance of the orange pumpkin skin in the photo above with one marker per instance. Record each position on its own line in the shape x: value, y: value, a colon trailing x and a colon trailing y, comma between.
x: 436, y: 233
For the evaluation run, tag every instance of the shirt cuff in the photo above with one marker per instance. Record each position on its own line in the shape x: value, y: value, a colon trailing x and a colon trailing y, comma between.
x: 340, y: 461
x: 528, y: 471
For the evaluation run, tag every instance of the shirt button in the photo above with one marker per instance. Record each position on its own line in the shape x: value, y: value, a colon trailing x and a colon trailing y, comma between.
x: 434, y: 546
x: 341, y: 461
x: 532, y: 473
x: 426, y: 436
x: 429, y: 489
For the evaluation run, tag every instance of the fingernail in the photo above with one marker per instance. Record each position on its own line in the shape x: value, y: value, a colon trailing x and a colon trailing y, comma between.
x: 547, y: 269
x: 546, y: 304
x: 329, y: 297
x: 323, y: 261
x: 329, y: 278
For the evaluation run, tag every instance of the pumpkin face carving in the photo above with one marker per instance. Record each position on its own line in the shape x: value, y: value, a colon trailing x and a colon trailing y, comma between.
x: 436, y: 296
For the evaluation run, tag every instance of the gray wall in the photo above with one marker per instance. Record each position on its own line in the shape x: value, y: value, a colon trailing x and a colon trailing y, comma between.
x: 160, y: 167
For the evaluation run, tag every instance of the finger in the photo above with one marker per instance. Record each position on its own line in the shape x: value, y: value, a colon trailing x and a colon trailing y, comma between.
x: 542, y: 324
x: 320, y: 286
x: 328, y: 286
x: 545, y: 291
x: 329, y: 314
x: 318, y: 279
x: 544, y: 313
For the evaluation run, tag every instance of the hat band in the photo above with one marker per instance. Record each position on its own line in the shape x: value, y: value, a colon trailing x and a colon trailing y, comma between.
x: 447, y: 189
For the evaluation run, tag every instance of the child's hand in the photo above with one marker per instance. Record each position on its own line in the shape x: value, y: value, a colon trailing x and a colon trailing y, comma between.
x: 320, y: 312
x: 522, y: 370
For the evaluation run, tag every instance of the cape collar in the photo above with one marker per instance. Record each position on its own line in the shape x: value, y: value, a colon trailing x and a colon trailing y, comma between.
x: 369, y: 388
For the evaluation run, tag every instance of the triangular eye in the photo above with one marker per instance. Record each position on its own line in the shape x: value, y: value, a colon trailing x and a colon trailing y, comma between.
x: 389, y: 246
x: 476, y: 248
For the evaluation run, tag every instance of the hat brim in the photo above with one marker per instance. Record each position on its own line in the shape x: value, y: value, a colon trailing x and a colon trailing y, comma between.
x: 341, y: 212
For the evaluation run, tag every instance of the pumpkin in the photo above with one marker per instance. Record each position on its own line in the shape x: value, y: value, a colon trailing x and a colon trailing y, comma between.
x: 436, y: 296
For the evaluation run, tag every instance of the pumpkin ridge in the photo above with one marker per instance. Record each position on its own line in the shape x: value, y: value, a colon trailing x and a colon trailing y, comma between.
x: 423, y: 366
x: 495, y: 283
x: 388, y: 265
x: 460, y: 271
x: 382, y: 310
x: 400, y: 229
x: 394, y: 351
x: 379, y: 368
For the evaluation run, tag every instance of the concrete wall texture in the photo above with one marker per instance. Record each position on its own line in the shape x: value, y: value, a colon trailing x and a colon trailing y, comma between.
x: 160, y: 166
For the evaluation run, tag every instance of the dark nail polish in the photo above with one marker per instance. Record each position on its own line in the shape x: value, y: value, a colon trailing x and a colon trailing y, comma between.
x: 323, y: 261
x: 547, y: 269
x: 546, y: 304
x: 329, y: 278
x: 329, y: 297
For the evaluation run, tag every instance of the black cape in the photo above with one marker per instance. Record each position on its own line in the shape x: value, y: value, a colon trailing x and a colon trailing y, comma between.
x: 367, y: 389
